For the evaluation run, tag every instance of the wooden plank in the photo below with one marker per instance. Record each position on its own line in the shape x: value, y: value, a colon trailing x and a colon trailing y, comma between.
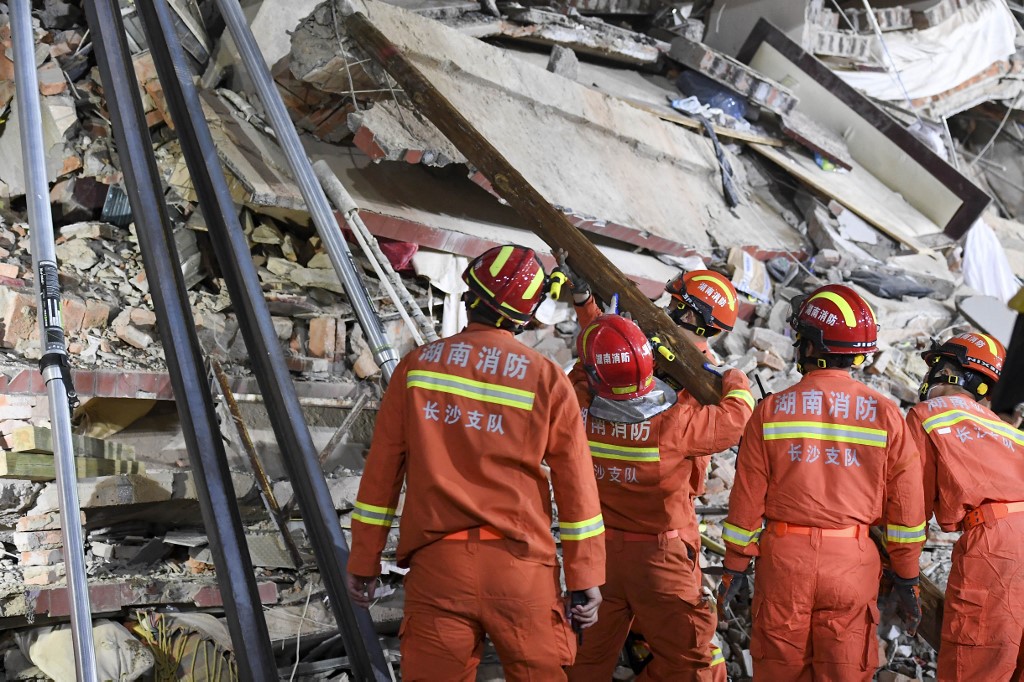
x: 548, y: 222
x: 672, y: 116
x: 30, y: 466
x: 40, y: 439
x: 860, y: 192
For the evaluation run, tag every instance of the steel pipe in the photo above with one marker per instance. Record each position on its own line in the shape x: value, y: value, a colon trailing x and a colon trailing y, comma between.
x: 54, y: 361
x: 316, y: 202
x: 180, y: 342
x: 265, y: 353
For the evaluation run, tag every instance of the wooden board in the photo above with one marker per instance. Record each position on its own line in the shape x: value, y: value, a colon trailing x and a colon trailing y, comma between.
x: 860, y: 192
x: 40, y: 439
x: 28, y: 466
x: 673, y: 116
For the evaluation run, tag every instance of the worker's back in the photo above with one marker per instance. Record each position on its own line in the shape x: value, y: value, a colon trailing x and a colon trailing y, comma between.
x: 971, y: 457
x: 478, y: 421
x: 827, y: 445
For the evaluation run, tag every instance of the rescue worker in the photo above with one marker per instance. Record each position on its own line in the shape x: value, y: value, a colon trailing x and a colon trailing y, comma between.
x: 703, y: 304
x: 821, y: 462
x: 974, y: 482
x: 643, y: 438
x: 468, y: 422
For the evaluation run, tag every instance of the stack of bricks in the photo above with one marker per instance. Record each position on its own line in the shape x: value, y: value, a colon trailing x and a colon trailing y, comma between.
x: 846, y: 44
x: 40, y: 544
x: 888, y: 18
x: 734, y: 75
x: 939, y: 12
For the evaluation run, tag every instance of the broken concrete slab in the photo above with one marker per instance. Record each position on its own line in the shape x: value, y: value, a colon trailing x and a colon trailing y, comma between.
x: 583, y: 35
x: 667, y: 206
x: 881, y: 147
x: 990, y: 315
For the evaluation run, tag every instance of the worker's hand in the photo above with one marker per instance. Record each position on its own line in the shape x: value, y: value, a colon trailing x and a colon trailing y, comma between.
x: 733, y: 582
x: 585, y: 615
x: 908, y: 602
x: 580, y: 287
x: 361, y: 589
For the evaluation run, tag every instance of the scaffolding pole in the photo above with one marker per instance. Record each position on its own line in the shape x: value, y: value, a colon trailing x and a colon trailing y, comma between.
x: 193, y: 399
x: 316, y: 201
x: 266, y: 356
x: 54, y: 361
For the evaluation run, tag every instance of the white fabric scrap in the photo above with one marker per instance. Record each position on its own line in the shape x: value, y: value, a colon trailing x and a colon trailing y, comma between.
x: 986, y: 267
x: 937, y: 59
x: 444, y: 271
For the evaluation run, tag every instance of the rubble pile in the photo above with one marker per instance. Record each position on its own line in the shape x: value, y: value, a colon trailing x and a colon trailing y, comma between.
x: 674, y: 137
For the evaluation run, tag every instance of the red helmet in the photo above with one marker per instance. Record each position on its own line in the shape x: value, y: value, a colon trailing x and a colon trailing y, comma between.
x: 710, y: 294
x: 509, y: 279
x: 617, y: 358
x: 836, y: 320
x: 972, y: 351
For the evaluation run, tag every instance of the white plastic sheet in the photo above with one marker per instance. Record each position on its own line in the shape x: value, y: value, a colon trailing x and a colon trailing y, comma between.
x: 986, y: 267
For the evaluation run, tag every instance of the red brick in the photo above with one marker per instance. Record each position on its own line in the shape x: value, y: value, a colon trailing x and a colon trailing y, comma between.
x: 42, y: 557
x: 73, y: 315
x: 38, y: 539
x: 10, y: 270
x: 322, y: 332
x: 43, y: 575
x: 97, y: 314
x: 48, y: 521
x: 19, y: 318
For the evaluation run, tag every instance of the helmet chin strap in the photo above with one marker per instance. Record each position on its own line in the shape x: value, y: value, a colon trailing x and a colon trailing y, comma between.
x: 700, y: 330
x: 972, y: 382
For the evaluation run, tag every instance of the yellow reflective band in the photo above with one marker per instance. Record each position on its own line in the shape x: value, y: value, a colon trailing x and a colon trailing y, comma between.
x: 500, y: 261
x: 844, y: 307
x: 840, y: 433
x: 619, y: 390
x: 956, y: 416
x: 739, y: 536
x: 538, y: 279
x: 581, y: 530
x: 468, y: 388
x: 586, y: 335
x: 373, y: 508
x: 373, y: 515
x: 483, y: 286
x: 874, y: 318
x: 991, y: 344
x: 724, y: 287
x: 623, y: 453
x: 743, y: 395
x: 717, y: 656
x: 904, y: 534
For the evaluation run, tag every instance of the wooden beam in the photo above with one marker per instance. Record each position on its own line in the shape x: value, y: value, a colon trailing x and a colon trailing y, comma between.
x: 549, y: 223
x: 28, y: 466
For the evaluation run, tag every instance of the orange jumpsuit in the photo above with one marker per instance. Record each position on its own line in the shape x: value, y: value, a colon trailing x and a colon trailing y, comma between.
x: 822, y: 461
x: 643, y: 473
x: 467, y: 422
x: 589, y: 311
x: 972, y: 459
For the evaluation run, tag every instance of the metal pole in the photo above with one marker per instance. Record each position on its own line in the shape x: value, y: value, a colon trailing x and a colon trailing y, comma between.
x: 54, y: 362
x: 180, y: 342
x: 265, y: 353
x: 383, y: 354
x: 391, y: 280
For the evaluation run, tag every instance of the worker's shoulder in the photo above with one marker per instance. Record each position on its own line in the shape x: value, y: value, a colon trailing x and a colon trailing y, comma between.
x: 493, y: 353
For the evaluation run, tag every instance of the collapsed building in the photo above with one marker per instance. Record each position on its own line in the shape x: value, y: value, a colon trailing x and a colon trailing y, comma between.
x: 787, y: 144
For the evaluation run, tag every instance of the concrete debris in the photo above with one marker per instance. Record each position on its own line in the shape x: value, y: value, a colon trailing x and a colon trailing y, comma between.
x: 582, y: 34
x: 858, y: 199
